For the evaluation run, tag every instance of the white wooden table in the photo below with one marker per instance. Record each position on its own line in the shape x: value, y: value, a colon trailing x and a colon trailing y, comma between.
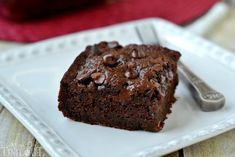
x: 16, y: 141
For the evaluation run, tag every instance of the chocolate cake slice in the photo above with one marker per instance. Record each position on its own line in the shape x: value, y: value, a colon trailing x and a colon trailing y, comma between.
x: 129, y: 87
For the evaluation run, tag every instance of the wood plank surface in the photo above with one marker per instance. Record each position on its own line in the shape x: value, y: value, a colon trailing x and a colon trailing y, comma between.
x: 175, y: 154
x: 223, y: 33
x: 1, y: 108
x: 219, y: 146
x: 15, y: 140
x: 38, y: 151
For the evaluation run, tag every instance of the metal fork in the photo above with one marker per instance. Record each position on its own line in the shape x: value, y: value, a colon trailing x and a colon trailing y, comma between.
x: 206, y: 97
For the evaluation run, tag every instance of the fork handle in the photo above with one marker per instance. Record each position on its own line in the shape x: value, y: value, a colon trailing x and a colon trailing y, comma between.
x: 207, y: 98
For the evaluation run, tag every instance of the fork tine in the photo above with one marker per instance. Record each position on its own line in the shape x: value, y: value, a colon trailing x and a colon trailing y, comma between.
x: 147, y: 34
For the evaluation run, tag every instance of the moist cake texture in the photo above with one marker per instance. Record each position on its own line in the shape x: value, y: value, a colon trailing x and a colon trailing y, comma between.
x: 130, y: 87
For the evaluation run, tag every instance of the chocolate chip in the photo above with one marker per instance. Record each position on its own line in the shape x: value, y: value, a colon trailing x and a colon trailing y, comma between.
x: 157, y: 67
x: 98, y: 77
x: 91, y: 86
x: 95, y: 50
x: 134, y: 53
x: 84, y: 75
x: 89, y: 48
x: 109, y: 59
x: 160, y: 125
x: 130, y: 65
x: 101, y: 87
x: 155, y: 83
x: 100, y: 48
x: 163, y: 79
x: 141, y: 54
x: 170, y: 75
x: 149, y: 93
x: 113, y: 44
x: 131, y: 74
x: 158, y: 77
x: 162, y: 90
x: 137, y: 54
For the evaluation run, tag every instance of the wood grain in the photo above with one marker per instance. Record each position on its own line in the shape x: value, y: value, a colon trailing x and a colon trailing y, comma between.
x: 38, y: 151
x: 15, y: 140
x: 1, y: 108
x: 219, y: 146
x: 223, y: 33
x: 175, y: 154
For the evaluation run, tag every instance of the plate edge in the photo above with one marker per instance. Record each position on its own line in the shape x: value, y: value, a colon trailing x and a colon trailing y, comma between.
x: 56, y: 147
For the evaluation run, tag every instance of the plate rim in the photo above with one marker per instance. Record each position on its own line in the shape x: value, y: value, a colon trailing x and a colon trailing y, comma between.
x: 57, y: 147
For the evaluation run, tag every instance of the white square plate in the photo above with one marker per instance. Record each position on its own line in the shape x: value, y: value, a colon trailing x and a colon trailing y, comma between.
x: 29, y: 84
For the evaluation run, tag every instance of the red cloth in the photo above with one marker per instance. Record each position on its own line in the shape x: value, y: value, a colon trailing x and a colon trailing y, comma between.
x: 177, y: 11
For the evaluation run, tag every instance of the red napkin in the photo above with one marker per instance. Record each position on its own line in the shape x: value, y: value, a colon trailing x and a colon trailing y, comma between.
x: 177, y: 11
